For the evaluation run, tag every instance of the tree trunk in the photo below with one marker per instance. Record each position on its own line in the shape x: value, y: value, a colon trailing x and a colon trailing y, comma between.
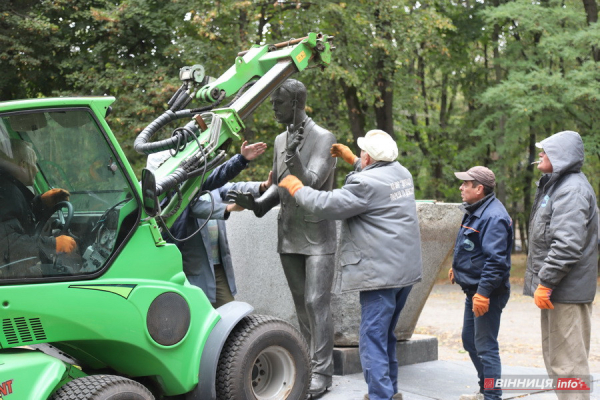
x: 242, y: 29
x: 355, y: 114
x: 444, y: 103
x: 528, y: 185
x: 415, y: 120
x: 501, y: 186
x: 384, y: 78
x: 591, y: 11
x: 436, y: 162
x: 421, y: 75
x: 384, y: 115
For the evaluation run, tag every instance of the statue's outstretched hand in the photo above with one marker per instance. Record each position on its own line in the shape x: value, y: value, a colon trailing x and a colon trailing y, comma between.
x: 245, y: 200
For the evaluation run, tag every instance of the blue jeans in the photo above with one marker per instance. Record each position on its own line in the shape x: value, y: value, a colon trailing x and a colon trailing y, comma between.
x: 380, y: 310
x: 480, y: 340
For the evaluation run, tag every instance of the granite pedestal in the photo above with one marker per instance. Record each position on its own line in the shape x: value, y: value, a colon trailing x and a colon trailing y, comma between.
x: 261, y: 282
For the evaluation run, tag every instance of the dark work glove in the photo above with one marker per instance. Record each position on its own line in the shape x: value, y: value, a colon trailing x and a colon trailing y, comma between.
x: 245, y: 200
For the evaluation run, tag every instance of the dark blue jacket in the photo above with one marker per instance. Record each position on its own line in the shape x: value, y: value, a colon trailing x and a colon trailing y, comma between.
x: 217, y: 178
x: 197, y: 264
x: 482, y: 251
x: 225, y: 172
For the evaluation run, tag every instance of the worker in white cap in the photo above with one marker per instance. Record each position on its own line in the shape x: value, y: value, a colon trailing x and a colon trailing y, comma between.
x: 380, y: 250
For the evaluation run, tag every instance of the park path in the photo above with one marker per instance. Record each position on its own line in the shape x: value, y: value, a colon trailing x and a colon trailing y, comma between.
x: 519, y: 338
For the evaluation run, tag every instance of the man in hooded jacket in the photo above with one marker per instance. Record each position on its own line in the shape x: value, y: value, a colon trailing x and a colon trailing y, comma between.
x: 561, y: 265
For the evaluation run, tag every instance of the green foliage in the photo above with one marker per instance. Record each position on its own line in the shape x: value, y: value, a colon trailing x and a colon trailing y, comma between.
x: 457, y: 83
x: 550, y: 83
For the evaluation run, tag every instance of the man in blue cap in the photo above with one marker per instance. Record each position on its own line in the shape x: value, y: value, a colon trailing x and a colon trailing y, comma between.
x: 481, y: 266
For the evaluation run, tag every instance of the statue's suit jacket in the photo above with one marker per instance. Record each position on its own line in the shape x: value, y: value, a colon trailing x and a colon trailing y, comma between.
x: 299, y: 231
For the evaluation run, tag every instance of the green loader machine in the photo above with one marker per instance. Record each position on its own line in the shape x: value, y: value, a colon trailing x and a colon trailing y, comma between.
x: 116, y: 318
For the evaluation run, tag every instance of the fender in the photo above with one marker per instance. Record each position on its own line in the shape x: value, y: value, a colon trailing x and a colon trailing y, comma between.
x: 231, y: 314
x: 28, y: 374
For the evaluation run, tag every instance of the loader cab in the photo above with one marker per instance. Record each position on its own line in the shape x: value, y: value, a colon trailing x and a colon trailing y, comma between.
x: 64, y: 148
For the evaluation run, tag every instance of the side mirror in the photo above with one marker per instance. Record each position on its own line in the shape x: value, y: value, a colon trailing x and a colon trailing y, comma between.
x: 149, y: 193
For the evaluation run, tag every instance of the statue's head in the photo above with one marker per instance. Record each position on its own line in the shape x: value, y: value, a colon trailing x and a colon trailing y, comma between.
x: 288, y: 100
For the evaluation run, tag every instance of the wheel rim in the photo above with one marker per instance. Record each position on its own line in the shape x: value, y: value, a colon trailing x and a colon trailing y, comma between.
x: 273, y: 373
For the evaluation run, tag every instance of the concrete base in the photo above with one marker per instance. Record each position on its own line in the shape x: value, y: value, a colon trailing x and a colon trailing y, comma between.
x: 261, y: 282
x: 418, y: 349
x: 443, y: 380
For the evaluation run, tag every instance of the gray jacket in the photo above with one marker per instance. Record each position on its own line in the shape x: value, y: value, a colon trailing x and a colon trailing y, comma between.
x: 198, y: 266
x: 563, y: 228
x: 380, y: 239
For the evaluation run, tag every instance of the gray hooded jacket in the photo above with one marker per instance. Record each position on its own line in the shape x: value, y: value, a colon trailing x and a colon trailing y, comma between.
x: 563, y: 227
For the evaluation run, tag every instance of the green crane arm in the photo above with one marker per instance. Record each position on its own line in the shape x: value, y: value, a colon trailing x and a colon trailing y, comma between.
x: 201, y: 143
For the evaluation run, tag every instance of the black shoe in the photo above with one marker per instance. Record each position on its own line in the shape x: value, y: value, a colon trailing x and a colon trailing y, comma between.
x: 319, y: 384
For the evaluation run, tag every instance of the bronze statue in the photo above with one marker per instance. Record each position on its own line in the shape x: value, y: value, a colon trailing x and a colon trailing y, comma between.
x: 306, y: 243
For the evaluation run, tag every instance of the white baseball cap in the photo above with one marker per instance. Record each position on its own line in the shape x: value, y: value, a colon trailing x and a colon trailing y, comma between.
x: 379, y: 145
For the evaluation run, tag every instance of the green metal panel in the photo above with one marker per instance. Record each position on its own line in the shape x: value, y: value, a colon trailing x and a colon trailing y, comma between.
x: 29, y: 375
x: 103, y: 322
x: 104, y: 329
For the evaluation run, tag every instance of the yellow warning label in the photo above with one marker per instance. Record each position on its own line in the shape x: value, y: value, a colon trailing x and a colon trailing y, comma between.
x: 301, y: 56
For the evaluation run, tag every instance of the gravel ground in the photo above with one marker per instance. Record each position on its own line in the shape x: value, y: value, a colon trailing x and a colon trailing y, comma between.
x: 519, y: 338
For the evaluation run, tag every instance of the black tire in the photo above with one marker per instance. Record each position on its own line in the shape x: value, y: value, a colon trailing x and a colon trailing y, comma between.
x: 263, y: 358
x: 102, y: 387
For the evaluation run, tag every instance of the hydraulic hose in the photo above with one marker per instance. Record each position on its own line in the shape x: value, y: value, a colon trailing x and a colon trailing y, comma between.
x: 142, y: 141
x: 171, y: 181
x: 191, y: 167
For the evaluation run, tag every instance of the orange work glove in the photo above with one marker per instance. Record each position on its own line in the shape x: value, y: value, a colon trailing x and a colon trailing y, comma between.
x: 481, y: 304
x: 341, y: 150
x: 55, y: 196
x: 291, y: 183
x: 541, y: 296
x: 65, y: 244
x: 451, y: 276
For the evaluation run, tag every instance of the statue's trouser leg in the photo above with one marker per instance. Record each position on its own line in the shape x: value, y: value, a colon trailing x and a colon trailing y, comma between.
x: 310, y: 279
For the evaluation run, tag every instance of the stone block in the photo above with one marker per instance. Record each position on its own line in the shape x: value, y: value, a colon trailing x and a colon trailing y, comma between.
x: 261, y: 282
x: 417, y: 349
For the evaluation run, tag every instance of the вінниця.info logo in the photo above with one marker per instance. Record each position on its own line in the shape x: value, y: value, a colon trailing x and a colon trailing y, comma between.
x: 532, y: 383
